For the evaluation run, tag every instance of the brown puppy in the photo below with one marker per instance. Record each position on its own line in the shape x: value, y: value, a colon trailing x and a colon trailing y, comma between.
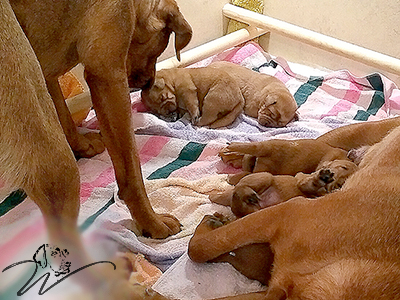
x: 260, y: 190
x: 281, y: 157
x: 210, y: 96
x: 35, y: 156
x: 304, y: 155
x: 267, y: 98
x: 215, y: 95
x: 118, y: 42
x: 343, y: 245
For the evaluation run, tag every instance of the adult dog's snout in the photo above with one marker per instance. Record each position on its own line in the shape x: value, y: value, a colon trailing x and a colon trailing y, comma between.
x: 140, y: 81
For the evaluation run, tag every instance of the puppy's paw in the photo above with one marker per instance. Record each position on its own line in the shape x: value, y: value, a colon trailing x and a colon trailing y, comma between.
x: 326, y: 176
x: 232, y: 158
x: 211, y: 222
x: 217, y: 220
x: 356, y: 155
x: 196, y: 120
x: 195, y: 116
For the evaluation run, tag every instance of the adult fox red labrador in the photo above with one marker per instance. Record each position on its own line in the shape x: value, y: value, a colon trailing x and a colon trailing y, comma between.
x: 344, y: 245
x: 118, y: 42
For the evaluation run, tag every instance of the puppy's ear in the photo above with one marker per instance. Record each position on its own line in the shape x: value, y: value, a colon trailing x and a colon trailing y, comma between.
x: 159, y: 82
x: 182, y: 29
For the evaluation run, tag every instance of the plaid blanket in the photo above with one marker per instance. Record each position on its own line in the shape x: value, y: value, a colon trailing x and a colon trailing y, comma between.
x: 181, y: 160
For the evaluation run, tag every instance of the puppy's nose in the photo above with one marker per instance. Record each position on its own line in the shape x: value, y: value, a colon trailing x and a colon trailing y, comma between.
x: 326, y: 176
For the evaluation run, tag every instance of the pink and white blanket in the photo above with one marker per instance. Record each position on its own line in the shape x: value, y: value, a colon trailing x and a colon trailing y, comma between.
x: 180, y: 167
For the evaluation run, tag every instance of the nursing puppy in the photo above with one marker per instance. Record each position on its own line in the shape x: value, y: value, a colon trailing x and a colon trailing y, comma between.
x: 289, y: 157
x: 35, y: 156
x: 281, y: 157
x: 211, y: 97
x: 260, y: 190
x: 343, y: 245
x: 118, y: 42
x: 215, y: 95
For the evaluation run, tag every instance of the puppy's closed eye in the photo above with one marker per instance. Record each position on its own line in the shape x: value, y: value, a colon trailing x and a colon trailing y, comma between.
x: 253, y: 199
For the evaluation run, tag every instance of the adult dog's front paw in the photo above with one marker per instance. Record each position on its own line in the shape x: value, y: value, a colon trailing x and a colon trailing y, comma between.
x: 167, y: 225
x: 211, y: 222
x: 88, y: 145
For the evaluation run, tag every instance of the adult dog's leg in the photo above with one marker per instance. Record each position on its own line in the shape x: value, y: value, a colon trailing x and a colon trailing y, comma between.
x: 106, y: 75
x: 110, y: 98
x: 360, y: 134
x: 34, y: 154
x: 205, y: 246
x: 83, y: 145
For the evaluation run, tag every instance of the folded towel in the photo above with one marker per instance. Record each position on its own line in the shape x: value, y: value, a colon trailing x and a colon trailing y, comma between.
x: 187, y: 280
x: 187, y: 200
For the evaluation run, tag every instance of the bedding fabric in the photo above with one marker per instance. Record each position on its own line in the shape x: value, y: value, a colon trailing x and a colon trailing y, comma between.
x: 181, y: 167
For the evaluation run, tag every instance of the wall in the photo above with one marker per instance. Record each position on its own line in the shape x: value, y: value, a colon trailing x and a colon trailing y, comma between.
x: 372, y: 24
x: 206, y: 19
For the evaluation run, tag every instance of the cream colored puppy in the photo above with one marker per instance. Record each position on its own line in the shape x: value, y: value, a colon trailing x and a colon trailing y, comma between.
x: 260, y: 190
x: 267, y: 98
x: 211, y: 97
x: 217, y: 94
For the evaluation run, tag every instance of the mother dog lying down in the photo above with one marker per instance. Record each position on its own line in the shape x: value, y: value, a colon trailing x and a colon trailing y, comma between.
x: 345, y: 245
x: 215, y: 95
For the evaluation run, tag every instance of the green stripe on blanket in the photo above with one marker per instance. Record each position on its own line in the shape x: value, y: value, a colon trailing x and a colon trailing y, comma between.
x: 377, y: 101
x: 15, y: 198
x: 189, y: 154
x: 89, y: 221
x: 305, y: 90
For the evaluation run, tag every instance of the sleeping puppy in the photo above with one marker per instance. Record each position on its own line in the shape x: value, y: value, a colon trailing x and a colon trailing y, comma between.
x: 260, y: 190
x: 344, y: 245
x: 267, y: 98
x: 215, y: 95
x: 210, y: 96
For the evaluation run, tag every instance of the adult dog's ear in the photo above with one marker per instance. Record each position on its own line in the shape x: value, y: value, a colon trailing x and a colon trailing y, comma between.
x: 182, y: 30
